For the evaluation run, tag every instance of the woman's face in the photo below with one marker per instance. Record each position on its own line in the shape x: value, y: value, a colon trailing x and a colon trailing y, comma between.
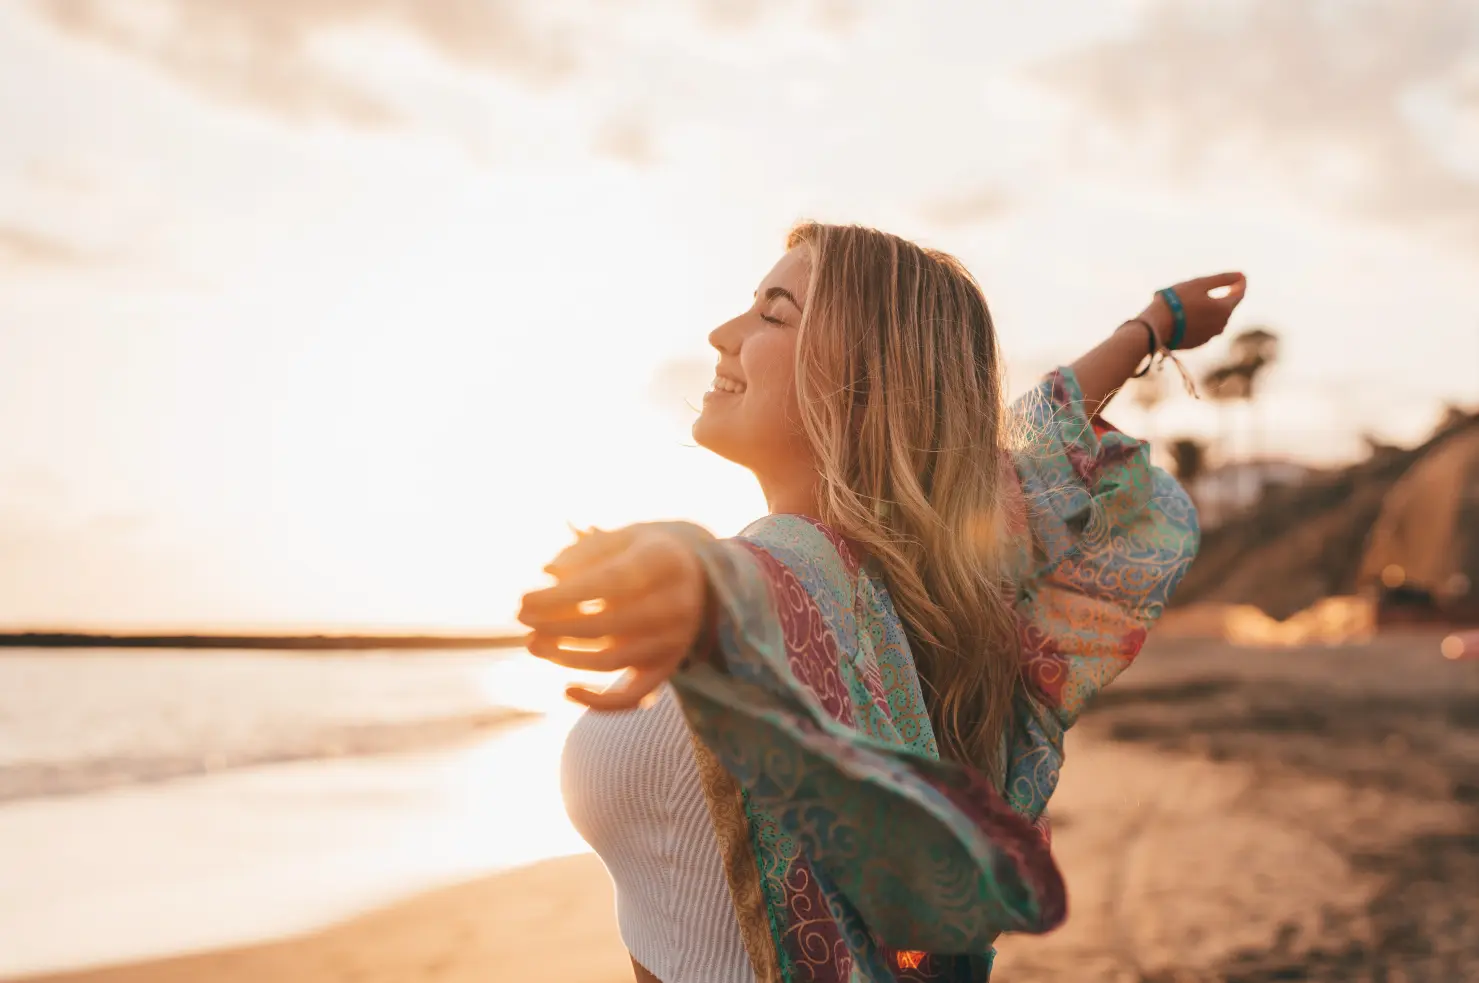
x: 750, y: 411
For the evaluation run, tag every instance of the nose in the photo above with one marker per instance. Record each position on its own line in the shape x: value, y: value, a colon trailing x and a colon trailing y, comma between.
x: 728, y: 336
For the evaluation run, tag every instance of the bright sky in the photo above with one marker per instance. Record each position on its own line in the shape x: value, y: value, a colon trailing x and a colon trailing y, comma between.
x: 333, y: 313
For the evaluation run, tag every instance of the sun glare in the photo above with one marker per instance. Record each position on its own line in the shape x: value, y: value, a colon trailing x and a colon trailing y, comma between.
x: 438, y: 430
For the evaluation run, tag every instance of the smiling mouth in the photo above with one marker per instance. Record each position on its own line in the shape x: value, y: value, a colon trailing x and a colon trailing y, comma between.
x: 724, y: 385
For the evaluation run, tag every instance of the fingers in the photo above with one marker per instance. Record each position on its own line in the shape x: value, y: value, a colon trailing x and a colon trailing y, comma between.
x: 1234, y: 292
x: 647, y: 663
x: 547, y: 647
x: 1228, y: 302
x: 627, y: 694
x: 644, y: 613
x: 623, y: 580
x: 584, y: 570
x: 1226, y: 290
x: 615, y: 574
x: 621, y: 653
x: 590, y: 546
x: 627, y: 574
x: 1206, y: 284
x: 640, y: 591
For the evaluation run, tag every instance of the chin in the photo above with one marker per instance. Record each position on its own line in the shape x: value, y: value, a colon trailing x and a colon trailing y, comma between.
x: 713, y: 436
x: 703, y: 433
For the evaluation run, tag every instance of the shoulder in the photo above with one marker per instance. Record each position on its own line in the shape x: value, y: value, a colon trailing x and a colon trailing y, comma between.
x: 812, y: 552
x: 800, y: 540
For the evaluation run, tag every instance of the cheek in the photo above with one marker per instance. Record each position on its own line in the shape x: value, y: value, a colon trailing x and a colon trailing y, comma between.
x: 771, y: 371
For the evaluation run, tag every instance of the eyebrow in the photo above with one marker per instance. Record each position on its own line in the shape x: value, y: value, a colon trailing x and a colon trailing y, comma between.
x: 773, y: 292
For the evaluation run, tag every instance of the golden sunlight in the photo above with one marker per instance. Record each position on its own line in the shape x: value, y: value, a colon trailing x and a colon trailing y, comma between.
x: 342, y: 317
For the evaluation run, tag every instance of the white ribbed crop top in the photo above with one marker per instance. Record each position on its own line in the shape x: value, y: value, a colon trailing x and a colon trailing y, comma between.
x: 631, y: 786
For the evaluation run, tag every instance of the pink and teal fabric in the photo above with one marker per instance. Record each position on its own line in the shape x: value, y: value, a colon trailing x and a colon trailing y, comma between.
x: 853, y: 852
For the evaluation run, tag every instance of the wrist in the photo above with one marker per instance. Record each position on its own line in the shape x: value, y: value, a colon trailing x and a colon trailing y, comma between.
x: 1158, y: 315
x: 1132, y: 334
x: 1132, y: 329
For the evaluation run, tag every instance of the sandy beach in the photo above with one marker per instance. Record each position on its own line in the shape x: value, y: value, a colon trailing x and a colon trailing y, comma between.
x: 551, y: 921
x: 1226, y: 814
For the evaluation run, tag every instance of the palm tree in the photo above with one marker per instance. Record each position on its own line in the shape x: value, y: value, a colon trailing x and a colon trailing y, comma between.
x: 1236, y: 380
x: 1254, y: 350
x: 1224, y: 385
x: 1189, y: 459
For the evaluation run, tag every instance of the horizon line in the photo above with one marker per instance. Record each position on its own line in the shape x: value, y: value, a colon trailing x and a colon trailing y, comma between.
x: 280, y: 642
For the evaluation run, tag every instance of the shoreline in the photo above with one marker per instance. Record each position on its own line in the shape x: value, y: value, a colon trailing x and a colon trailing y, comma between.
x: 549, y: 920
x: 364, y: 742
x: 243, y: 858
x: 248, y: 643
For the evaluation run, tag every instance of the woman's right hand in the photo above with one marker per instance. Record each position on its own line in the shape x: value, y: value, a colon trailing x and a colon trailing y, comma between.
x: 1206, y: 316
x: 641, y: 589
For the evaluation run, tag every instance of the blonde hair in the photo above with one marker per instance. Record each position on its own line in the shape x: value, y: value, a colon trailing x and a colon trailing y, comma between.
x: 901, y: 391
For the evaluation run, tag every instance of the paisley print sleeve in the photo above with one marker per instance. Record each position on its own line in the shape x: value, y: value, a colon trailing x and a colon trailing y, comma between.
x: 893, y: 848
x: 1111, y: 536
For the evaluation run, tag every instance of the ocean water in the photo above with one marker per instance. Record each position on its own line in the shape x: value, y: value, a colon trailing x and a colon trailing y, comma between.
x: 73, y: 722
x: 162, y: 803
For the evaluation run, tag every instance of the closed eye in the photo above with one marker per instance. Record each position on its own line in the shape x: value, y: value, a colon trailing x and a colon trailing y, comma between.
x: 777, y: 293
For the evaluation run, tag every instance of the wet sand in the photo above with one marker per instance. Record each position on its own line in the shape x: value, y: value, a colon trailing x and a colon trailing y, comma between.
x: 1226, y: 814
x: 552, y: 921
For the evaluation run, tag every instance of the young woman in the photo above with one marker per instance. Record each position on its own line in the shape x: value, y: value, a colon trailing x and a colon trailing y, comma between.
x: 854, y: 710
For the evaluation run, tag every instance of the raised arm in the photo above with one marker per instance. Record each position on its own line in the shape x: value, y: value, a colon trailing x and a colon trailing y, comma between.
x: 1110, y: 535
x: 1108, y: 366
x: 1108, y: 538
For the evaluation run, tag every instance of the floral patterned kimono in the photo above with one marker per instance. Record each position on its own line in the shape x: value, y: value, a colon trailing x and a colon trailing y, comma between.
x: 853, y: 853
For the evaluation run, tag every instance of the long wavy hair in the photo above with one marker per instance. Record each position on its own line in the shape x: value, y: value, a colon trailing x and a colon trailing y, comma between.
x: 901, y: 390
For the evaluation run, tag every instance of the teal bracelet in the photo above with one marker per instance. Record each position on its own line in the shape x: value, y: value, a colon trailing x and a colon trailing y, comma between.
x: 1178, y: 314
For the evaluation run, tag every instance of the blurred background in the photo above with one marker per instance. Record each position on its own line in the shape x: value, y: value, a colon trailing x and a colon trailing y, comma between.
x: 325, y: 317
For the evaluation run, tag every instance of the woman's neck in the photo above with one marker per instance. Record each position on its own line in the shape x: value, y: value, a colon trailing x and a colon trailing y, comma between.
x: 791, y: 494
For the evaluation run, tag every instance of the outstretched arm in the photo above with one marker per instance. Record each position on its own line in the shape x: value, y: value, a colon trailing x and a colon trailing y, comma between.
x: 1105, y: 369
x: 904, y: 850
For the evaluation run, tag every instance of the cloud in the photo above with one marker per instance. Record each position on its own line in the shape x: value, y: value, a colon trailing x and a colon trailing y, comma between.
x: 58, y: 177
x: 115, y: 525
x: 57, y: 573
x: 1320, y: 92
x: 62, y: 564
x: 261, y: 52
x: 965, y: 209
x: 628, y: 139
x: 732, y: 13
x: 1467, y: 94
x: 35, y: 249
x: 833, y: 15
x: 838, y: 16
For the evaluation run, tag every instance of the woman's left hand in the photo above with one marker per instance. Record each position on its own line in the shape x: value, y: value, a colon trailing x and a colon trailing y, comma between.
x: 639, y: 590
x: 1206, y: 315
